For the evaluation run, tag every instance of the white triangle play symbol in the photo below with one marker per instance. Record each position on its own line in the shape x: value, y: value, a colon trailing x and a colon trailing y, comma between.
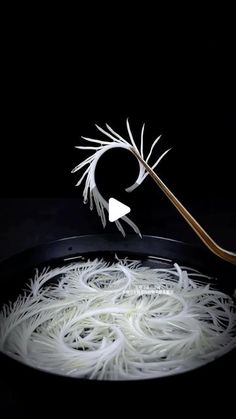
x: 117, y: 209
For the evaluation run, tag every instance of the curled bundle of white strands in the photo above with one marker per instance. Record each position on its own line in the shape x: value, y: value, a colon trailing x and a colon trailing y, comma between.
x: 118, y: 321
x: 113, y: 140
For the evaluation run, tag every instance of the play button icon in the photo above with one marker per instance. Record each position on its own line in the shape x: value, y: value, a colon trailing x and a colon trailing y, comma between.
x: 117, y: 209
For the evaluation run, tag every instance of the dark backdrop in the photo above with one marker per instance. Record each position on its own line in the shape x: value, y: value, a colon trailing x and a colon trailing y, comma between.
x: 181, y: 86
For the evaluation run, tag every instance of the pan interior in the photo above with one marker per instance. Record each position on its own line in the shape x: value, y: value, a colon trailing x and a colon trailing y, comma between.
x: 152, y: 261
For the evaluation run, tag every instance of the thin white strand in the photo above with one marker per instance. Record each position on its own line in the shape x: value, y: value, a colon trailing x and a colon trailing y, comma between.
x: 141, y: 145
x: 89, y: 147
x: 131, y: 135
x: 93, y: 140
x: 152, y: 147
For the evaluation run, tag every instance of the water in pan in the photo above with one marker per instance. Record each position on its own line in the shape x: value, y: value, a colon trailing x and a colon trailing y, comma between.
x: 118, y: 320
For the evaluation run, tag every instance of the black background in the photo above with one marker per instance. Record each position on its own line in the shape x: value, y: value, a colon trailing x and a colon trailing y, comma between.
x: 59, y: 84
x: 61, y: 78
x: 56, y: 90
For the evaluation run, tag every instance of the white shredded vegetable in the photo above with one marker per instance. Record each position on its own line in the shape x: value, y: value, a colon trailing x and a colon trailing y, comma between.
x: 112, y: 140
x: 118, y: 321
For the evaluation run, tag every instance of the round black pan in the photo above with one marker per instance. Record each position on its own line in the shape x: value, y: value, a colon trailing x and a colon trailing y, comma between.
x: 152, y: 251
